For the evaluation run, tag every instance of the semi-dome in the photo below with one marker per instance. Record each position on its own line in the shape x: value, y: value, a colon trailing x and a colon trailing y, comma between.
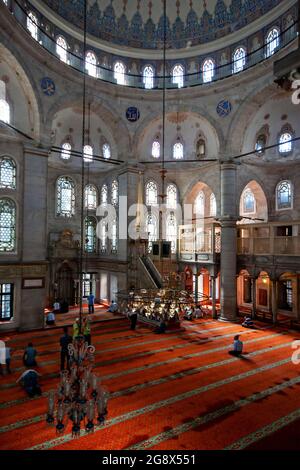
x: 140, y: 23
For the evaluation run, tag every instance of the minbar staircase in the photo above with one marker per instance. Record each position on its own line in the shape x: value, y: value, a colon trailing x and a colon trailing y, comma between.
x: 151, y: 273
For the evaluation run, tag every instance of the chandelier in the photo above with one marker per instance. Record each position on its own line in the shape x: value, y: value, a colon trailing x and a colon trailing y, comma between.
x: 79, y: 398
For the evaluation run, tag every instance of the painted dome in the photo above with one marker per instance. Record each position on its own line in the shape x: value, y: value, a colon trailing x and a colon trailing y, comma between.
x: 140, y: 23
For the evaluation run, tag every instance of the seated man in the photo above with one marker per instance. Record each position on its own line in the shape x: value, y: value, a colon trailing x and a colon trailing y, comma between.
x: 113, y: 307
x: 29, y: 380
x: 161, y: 328
x: 237, y: 346
x: 248, y: 322
x: 50, y: 319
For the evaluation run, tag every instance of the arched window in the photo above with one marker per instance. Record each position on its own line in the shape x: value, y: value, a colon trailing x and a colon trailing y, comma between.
x: 90, y: 197
x: 90, y: 234
x: 148, y: 76
x: 248, y: 202
x: 208, y: 70
x: 199, y: 204
x: 4, y: 111
x: 178, y: 151
x: 104, y: 194
x: 91, y: 64
x: 151, y: 194
x: 65, y: 151
x: 114, y: 192
x: 178, y: 75
x: 200, y: 147
x: 7, y: 225
x: 106, y: 150
x: 261, y: 142
x: 65, y: 196
x: 103, y: 236
x: 171, y: 196
x: 171, y: 232
x: 212, y: 205
x: 62, y: 49
x: 284, y: 195
x: 272, y: 41
x: 152, y: 230
x: 155, y: 149
x: 32, y: 25
x: 119, y: 73
x: 114, y: 236
x: 239, y: 59
x: 88, y: 153
x: 7, y: 173
x: 285, y: 144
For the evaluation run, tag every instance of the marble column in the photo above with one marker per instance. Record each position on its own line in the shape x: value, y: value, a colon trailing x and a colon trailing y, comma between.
x: 213, y: 296
x: 253, y: 287
x: 228, y: 242
x: 274, y: 300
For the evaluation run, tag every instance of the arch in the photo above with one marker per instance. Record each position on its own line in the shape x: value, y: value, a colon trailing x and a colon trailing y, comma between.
x: 66, y: 151
x: 178, y: 75
x: 208, y: 70
x: 90, y: 234
x: 104, y: 195
x: 23, y: 78
x: 114, y: 192
x: 90, y: 197
x: 62, y: 48
x: 119, y: 72
x: 148, y: 76
x: 65, y: 196
x: 151, y: 193
x: 253, y: 203
x: 88, y: 153
x: 106, y: 150
x: 172, y: 196
x: 272, y: 41
x: 284, y: 195
x: 90, y: 63
x: 155, y: 153
x: 239, y: 59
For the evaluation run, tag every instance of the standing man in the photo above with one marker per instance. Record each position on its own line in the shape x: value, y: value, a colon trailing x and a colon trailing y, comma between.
x: 56, y: 306
x: 91, y: 301
x: 64, y: 341
x: 133, y: 319
x: 87, y: 330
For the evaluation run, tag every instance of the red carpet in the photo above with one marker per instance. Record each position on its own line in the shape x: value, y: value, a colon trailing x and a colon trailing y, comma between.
x: 180, y: 390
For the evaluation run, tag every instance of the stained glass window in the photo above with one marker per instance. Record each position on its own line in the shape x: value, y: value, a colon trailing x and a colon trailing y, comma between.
x: 178, y: 151
x: 208, y: 70
x: 272, y: 42
x: 7, y: 173
x: 199, y: 204
x: 284, y: 195
x: 4, y: 111
x: 90, y: 234
x: 6, y: 301
x: 148, y: 77
x: 171, y: 232
x: 155, y: 152
x: 151, y: 193
x: 65, y: 151
x: 114, y: 238
x: 178, y: 75
x: 104, y: 194
x: 213, y: 205
x: 114, y: 193
x: 62, y: 49
x: 239, y: 59
x: 32, y: 25
x: 90, y: 197
x: 91, y: 64
x: 171, y: 196
x: 152, y: 230
x: 106, y: 150
x: 7, y: 225
x: 88, y: 153
x: 285, y: 144
x: 248, y: 201
x: 65, y: 197
x: 119, y: 73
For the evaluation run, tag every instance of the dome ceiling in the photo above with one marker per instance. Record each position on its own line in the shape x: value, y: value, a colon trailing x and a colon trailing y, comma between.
x: 139, y: 23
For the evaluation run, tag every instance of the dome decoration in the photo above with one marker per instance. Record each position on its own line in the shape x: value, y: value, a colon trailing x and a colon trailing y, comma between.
x: 139, y: 23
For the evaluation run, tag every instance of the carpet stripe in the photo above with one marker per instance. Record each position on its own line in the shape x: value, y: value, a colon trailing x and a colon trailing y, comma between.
x: 146, y: 444
x: 168, y: 401
x: 264, y: 431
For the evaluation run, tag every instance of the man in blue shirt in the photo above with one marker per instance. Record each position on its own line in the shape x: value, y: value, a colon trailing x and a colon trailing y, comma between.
x: 91, y: 300
x: 237, y: 346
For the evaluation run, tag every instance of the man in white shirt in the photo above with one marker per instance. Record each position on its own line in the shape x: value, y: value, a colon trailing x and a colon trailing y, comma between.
x: 56, y: 306
x: 50, y: 319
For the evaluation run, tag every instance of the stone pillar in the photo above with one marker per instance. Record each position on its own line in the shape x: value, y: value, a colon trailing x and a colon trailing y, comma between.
x: 228, y: 242
x: 274, y: 300
x: 196, y: 286
x: 213, y: 296
x: 253, y: 287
